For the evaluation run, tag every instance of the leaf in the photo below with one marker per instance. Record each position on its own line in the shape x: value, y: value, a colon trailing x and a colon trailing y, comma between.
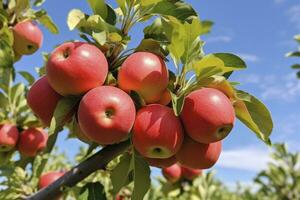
x: 6, y: 55
x: 149, y: 2
x: 150, y: 45
x: 74, y: 18
x: 293, y: 54
x: 206, y: 27
x: 111, y: 15
x: 3, y: 101
x: 21, y: 5
x: 100, y: 38
x: 177, y: 102
x: 156, y: 31
x: 141, y: 177
x: 16, y: 92
x: 92, y: 191
x: 218, y: 63
x: 99, y: 7
x: 46, y: 21
x: 38, y: 2
x: 119, y: 175
x: 255, y: 116
x: 63, y: 109
x: 295, y: 66
x: 27, y: 76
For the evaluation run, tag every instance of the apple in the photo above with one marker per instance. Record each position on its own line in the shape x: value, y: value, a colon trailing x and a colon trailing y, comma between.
x: 157, y: 132
x: 106, y: 115
x: 197, y: 155
x: 161, y: 163
x: 79, y: 133
x: 42, y: 100
x: 48, y: 178
x: 75, y: 68
x: 9, y: 135
x: 172, y: 173
x: 190, y: 173
x: 28, y: 38
x: 165, y: 98
x: 32, y: 141
x: 207, y: 115
x: 146, y: 73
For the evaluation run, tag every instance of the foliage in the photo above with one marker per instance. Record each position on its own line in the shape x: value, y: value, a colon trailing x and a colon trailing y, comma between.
x: 295, y: 54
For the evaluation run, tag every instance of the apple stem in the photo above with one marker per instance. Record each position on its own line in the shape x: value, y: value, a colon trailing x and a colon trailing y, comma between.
x: 97, y: 161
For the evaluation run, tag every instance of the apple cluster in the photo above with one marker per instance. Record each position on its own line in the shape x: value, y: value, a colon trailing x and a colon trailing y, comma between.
x: 107, y: 114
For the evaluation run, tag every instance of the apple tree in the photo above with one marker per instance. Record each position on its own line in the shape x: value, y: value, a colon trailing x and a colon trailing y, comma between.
x: 163, y: 102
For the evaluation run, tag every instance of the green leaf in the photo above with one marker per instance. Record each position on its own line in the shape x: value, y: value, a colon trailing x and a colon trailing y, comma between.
x: 99, y: 7
x: 38, y: 2
x: 16, y: 92
x: 141, y: 177
x: 21, y: 5
x: 27, y: 76
x: 297, y: 38
x: 6, y: 55
x: 75, y: 16
x: 62, y: 110
x: 177, y: 102
x: 218, y: 63
x: 149, y: 2
x: 92, y: 191
x: 3, y: 101
x: 46, y: 21
x: 206, y: 27
x: 293, y: 54
x: 295, y: 66
x: 100, y: 38
x: 255, y: 116
x: 150, y: 45
x: 156, y: 31
x: 111, y: 15
x: 119, y: 175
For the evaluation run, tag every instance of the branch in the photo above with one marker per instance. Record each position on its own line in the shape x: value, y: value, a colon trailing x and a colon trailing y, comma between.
x: 81, y: 171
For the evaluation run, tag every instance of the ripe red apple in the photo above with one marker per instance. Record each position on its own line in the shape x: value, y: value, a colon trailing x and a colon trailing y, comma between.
x: 161, y: 163
x: 32, y: 141
x: 48, y: 178
x: 197, y: 155
x: 76, y: 67
x: 145, y: 73
x: 28, y: 38
x: 190, y: 173
x: 9, y: 135
x: 172, y: 173
x: 42, y: 100
x: 106, y: 115
x: 207, y: 115
x: 157, y: 132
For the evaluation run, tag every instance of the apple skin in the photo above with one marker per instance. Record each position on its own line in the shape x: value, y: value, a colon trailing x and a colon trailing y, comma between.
x: 48, y: 178
x: 80, y: 134
x: 197, y: 155
x: 172, y: 173
x: 207, y: 115
x: 42, y: 100
x: 157, y: 132
x: 76, y: 67
x: 165, y: 98
x: 32, y: 141
x: 106, y: 115
x: 28, y: 38
x: 9, y: 135
x: 146, y: 73
x: 190, y: 173
x: 161, y: 163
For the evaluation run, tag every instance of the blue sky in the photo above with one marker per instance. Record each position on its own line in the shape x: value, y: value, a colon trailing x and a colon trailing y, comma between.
x: 259, y: 31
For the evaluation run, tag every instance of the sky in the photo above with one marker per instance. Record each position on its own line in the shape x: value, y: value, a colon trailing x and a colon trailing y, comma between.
x: 261, y: 32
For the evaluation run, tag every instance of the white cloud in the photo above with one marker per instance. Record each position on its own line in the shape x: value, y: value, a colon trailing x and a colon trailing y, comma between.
x: 249, y: 57
x: 224, y: 39
x: 274, y: 87
x: 294, y: 15
x: 248, y: 158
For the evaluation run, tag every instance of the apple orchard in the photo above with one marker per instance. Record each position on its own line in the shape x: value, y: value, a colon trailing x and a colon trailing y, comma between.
x: 164, y: 104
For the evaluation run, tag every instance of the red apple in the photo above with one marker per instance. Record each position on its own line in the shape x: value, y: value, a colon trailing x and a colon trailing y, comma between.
x: 32, y: 141
x: 165, y: 98
x: 161, y: 163
x: 157, y: 132
x: 106, y: 115
x: 28, y: 38
x: 76, y: 67
x: 48, y: 178
x: 79, y: 133
x: 190, y: 173
x: 42, y: 100
x: 9, y: 135
x: 145, y: 73
x: 197, y: 155
x: 207, y: 115
x: 172, y: 173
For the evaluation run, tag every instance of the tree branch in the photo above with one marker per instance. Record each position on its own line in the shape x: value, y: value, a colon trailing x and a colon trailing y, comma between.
x: 81, y: 171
